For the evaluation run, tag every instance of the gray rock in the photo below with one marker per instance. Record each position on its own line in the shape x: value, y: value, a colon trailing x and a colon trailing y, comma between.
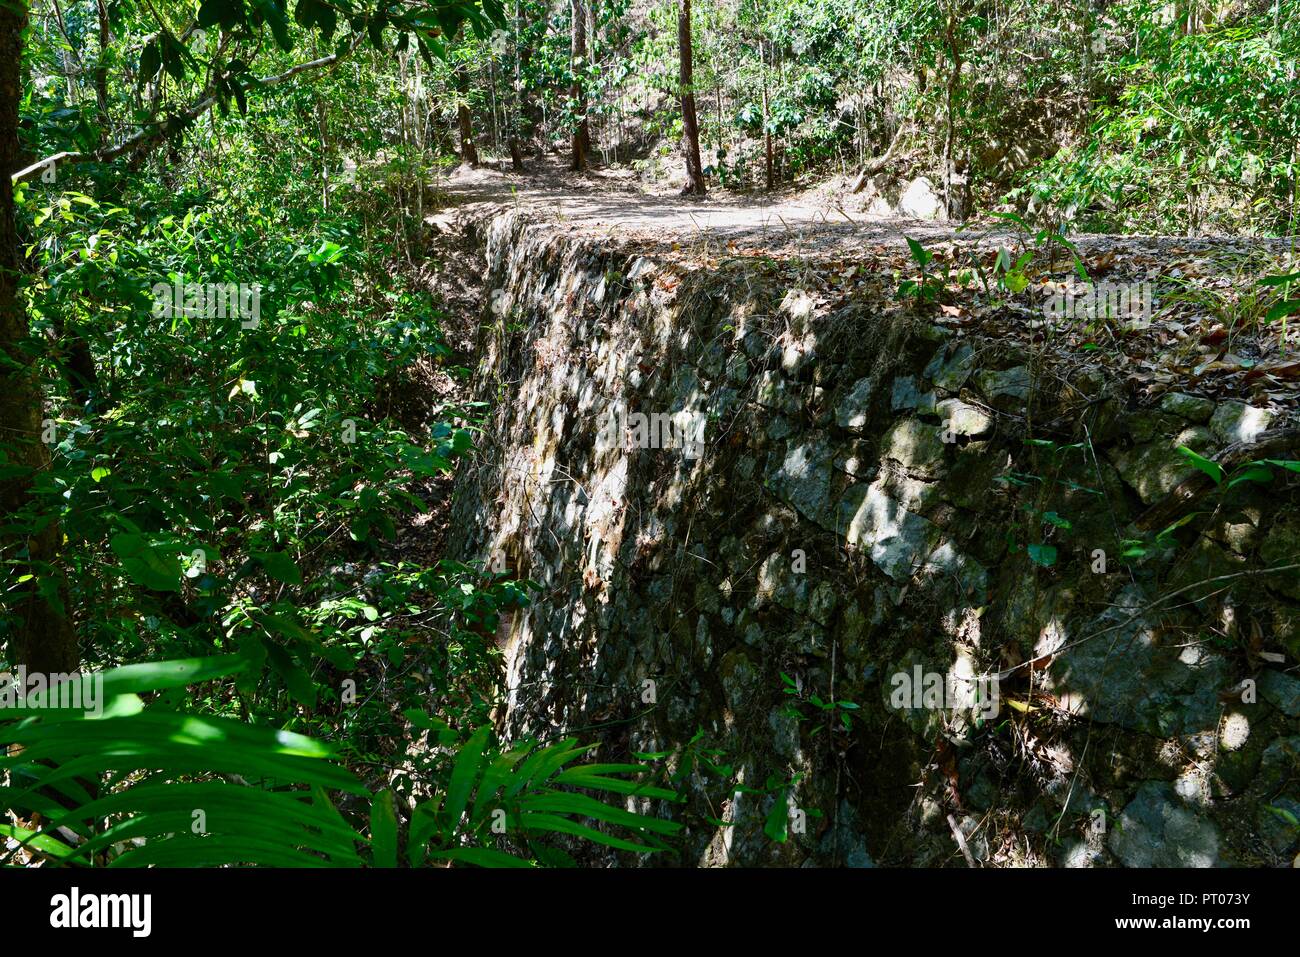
x: 806, y: 639
x: 722, y: 405
x: 1124, y: 676
x: 1279, y: 823
x: 920, y: 201
x: 1080, y: 854
x: 1190, y: 407
x: 779, y: 428
x: 951, y: 372
x: 796, y: 356
x: 977, y: 841
x: 1238, y: 422
x: 1008, y: 384
x: 1155, y: 469
x: 737, y: 369
x: 858, y: 460
x: 969, y: 576
x: 799, y: 306
x: 739, y: 679
x: 843, y: 843
x: 899, y: 541
x: 773, y: 393
x: 1282, y: 691
x: 777, y: 583
x: 1037, y: 821
x: 754, y: 343
x: 803, y: 480
x: 917, y: 446
x: 785, y: 733
x: 972, y: 477
x: 852, y: 411
x: 1282, y: 547
x: 983, y: 791
x: 1145, y: 426
x: 822, y: 604
x: 962, y: 419
x: 906, y: 396
x: 1279, y: 765
x: 1158, y: 830
x: 712, y: 362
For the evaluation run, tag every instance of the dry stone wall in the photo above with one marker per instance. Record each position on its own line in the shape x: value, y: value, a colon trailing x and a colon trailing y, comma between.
x: 902, y: 591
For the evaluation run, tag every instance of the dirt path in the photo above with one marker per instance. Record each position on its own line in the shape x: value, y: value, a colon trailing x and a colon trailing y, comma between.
x: 611, y: 203
x: 1208, y: 335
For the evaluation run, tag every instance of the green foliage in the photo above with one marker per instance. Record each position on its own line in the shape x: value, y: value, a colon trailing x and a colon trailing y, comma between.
x: 1198, y: 129
x: 929, y: 286
x: 237, y: 482
x: 153, y: 784
x: 835, y: 715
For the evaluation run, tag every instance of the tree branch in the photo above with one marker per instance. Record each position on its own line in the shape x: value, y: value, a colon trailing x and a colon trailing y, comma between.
x: 152, y: 134
x: 874, y: 166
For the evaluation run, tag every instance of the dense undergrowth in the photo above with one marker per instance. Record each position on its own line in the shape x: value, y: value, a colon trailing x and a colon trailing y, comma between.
x: 219, y: 333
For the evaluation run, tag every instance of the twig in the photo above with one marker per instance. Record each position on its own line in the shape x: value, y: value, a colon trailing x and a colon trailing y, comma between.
x: 961, y: 841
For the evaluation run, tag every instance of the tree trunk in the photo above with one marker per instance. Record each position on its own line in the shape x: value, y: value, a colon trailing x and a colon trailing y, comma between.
x: 39, y: 632
x: 581, y: 143
x: 101, y: 73
x: 468, y: 151
x: 690, y: 123
x: 516, y: 92
x: 951, y: 185
x: 767, y: 129
x: 532, y: 110
x: 873, y: 166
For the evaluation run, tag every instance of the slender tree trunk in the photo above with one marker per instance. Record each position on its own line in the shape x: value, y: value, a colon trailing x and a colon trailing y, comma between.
x: 593, y: 42
x: 767, y: 129
x: 468, y: 151
x: 39, y: 631
x: 516, y: 93
x: 690, y: 123
x: 951, y: 183
x: 581, y: 143
x: 532, y: 110
x: 101, y: 72
x: 325, y: 150
x: 492, y: 88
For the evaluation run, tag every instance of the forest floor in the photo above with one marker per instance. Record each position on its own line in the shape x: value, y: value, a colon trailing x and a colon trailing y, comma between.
x: 613, y: 202
x: 1207, y: 331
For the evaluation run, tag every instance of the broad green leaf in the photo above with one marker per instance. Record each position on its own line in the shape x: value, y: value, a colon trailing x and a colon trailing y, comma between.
x: 1044, y: 555
x: 464, y: 775
x: 1212, y: 469
x: 777, y: 824
x: 481, y: 856
x: 383, y: 830
x: 280, y: 566
x: 145, y: 564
